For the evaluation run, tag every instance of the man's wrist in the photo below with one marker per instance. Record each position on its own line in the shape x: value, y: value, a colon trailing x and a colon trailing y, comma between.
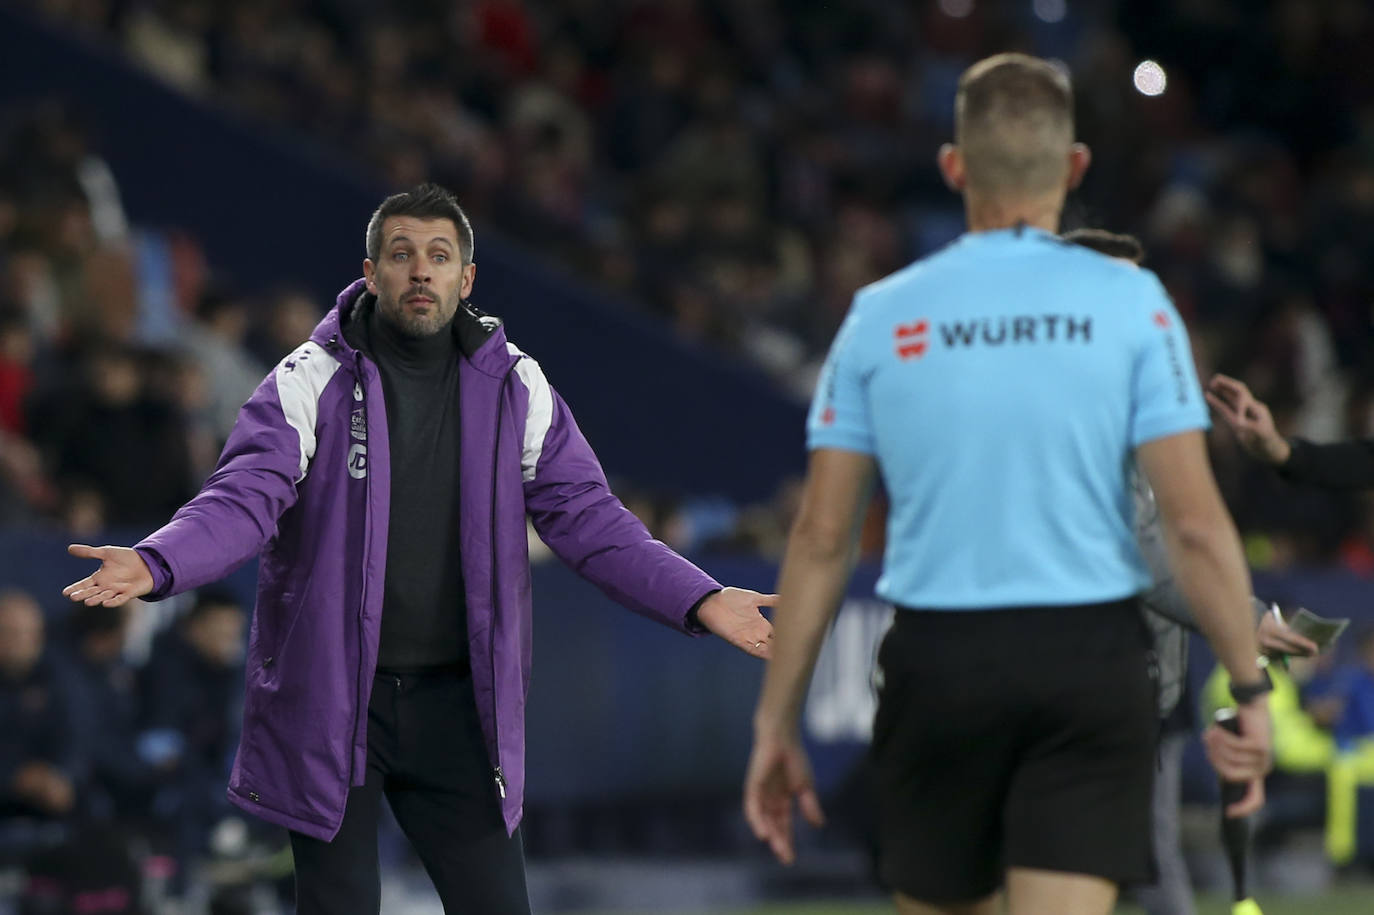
x: 774, y: 724
x: 1252, y: 688
x: 693, y: 622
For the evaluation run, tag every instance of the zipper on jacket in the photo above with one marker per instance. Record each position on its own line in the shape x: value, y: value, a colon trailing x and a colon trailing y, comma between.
x: 359, y: 702
x: 491, y: 641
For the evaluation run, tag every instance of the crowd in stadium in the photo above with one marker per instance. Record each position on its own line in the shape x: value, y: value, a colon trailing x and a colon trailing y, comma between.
x: 92, y: 738
x: 738, y: 169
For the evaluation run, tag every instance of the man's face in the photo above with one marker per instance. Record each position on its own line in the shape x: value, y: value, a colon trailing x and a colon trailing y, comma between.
x: 419, y: 276
x: 21, y: 636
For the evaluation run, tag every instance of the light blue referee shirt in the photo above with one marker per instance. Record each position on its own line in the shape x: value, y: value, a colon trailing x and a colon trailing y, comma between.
x: 1003, y: 385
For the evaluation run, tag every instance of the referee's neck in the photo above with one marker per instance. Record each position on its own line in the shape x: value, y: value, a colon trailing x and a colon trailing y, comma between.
x: 988, y: 214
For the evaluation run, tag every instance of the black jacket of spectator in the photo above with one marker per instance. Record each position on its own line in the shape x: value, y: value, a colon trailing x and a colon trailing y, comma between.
x: 198, y: 700
x: 120, y: 781
x: 39, y: 724
x: 1337, y: 465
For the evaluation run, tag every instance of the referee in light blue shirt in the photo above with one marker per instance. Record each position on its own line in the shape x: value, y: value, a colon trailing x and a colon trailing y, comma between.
x: 1004, y: 472
x: 1002, y: 388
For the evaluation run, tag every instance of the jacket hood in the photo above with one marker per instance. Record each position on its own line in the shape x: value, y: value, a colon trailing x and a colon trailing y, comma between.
x: 481, y: 337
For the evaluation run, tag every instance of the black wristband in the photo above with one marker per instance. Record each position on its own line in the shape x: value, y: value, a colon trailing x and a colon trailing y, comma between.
x: 1249, y: 692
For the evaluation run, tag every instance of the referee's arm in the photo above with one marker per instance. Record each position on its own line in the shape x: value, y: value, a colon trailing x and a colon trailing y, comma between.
x: 1203, y: 547
x: 1209, y: 567
x: 820, y: 556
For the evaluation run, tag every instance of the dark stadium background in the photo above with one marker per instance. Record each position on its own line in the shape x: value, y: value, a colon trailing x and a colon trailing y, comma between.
x: 673, y: 203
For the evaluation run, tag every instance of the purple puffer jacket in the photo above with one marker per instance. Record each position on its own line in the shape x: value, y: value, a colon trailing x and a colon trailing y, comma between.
x: 303, y: 481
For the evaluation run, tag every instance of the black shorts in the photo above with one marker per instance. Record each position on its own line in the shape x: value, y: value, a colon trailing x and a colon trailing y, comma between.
x: 1013, y: 738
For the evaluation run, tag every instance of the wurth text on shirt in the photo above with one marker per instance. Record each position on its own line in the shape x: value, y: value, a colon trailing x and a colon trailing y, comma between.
x: 913, y: 338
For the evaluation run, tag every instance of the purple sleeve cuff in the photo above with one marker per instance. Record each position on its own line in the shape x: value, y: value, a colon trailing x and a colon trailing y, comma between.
x: 692, y: 624
x: 161, y: 572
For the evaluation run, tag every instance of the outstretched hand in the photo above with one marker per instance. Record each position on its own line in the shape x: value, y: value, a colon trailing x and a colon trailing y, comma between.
x: 1248, y: 418
x: 733, y: 614
x: 122, y: 576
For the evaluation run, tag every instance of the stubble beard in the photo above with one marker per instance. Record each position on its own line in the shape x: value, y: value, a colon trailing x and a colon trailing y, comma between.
x: 418, y: 326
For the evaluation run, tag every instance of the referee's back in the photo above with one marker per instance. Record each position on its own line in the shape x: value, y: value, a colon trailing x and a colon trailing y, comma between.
x: 1003, y: 387
x: 1003, y: 384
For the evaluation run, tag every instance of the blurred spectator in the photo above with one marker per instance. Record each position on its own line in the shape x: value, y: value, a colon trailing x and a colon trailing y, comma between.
x: 168, y: 37
x: 217, y: 344
x: 1352, y: 686
x: 192, y: 689
x: 291, y: 319
x: 118, y: 440
x: 17, y: 353
x: 1343, y: 698
x: 24, y: 488
x: 93, y: 871
x: 40, y: 757
x: 50, y: 148
x: 121, y: 777
x: 26, y: 493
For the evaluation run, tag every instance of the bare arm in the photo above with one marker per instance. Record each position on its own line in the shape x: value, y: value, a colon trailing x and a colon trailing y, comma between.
x: 820, y: 554
x: 1203, y: 548
x: 1249, y: 418
x: 1333, y: 465
x: 1209, y: 567
x: 815, y: 569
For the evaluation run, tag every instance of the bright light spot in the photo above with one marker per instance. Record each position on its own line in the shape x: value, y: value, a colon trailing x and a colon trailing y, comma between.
x: 1150, y: 79
x: 1050, y: 10
x: 956, y: 9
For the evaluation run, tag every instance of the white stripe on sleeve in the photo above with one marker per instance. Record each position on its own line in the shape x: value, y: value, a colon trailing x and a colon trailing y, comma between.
x: 540, y: 415
x: 301, y: 378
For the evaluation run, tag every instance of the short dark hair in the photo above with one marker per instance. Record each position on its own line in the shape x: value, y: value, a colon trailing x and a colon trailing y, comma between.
x: 98, y: 620
x: 427, y: 201
x: 1126, y: 247
x: 1013, y: 121
x: 209, y: 600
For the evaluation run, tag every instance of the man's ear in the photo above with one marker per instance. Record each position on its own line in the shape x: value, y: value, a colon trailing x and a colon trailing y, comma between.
x: 370, y: 274
x: 1080, y: 157
x: 469, y: 277
x: 951, y: 164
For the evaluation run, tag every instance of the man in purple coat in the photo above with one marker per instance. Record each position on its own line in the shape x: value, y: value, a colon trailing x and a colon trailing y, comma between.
x: 383, y: 472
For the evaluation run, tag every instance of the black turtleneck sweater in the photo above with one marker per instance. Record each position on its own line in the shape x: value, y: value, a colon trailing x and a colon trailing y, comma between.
x: 424, y: 613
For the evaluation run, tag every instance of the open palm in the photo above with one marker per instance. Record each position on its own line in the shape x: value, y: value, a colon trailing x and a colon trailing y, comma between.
x: 122, y: 576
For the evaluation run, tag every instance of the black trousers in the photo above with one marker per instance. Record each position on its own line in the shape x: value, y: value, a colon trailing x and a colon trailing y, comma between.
x: 425, y: 753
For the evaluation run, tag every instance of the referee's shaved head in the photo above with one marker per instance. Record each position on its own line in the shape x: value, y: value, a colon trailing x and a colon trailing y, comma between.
x: 1013, y: 123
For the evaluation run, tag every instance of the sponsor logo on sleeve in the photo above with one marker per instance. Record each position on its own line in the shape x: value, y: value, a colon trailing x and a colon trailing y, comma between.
x: 1163, y: 322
